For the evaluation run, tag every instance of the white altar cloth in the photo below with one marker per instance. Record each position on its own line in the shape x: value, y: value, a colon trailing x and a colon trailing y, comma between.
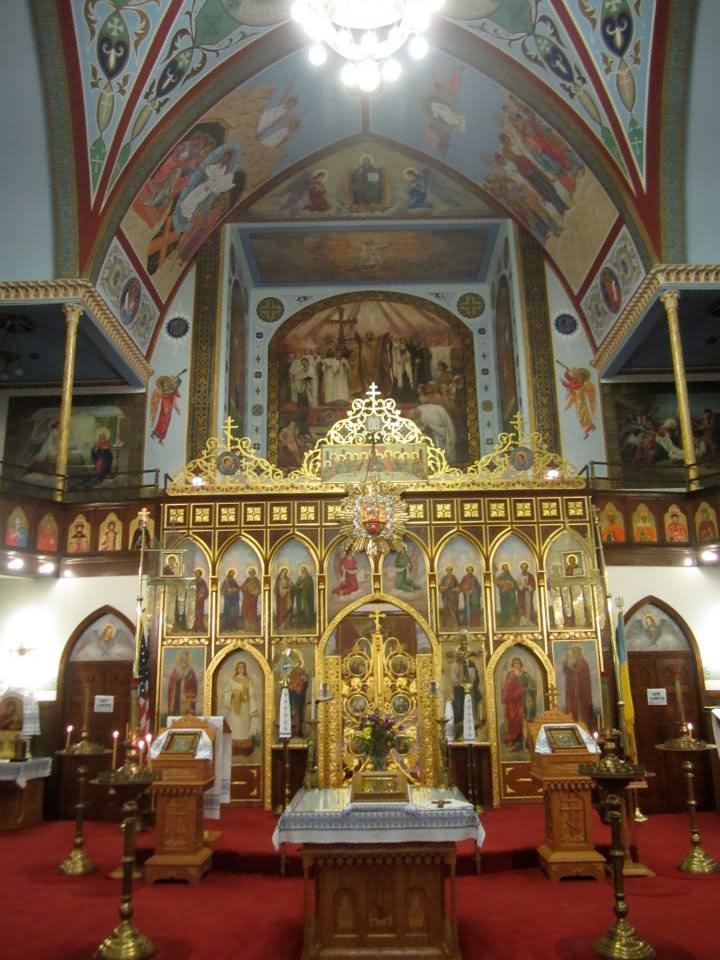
x: 328, y: 816
x: 24, y: 770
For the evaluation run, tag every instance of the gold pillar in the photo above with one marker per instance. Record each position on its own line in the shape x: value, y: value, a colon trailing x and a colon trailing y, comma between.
x: 72, y: 316
x: 670, y: 302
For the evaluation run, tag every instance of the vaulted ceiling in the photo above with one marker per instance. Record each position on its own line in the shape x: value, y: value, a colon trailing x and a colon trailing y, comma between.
x: 565, y: 115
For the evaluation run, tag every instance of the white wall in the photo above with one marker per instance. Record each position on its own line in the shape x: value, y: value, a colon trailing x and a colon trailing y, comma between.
x: 42, y: 614
x: 26, y: 237
x: 703, y: 139
x: 693, y: 591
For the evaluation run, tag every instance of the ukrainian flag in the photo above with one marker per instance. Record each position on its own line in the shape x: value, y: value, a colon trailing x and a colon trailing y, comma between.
x: 625, y: 691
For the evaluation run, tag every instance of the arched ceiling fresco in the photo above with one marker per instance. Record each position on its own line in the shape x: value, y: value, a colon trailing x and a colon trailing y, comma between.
x: 191, y: 113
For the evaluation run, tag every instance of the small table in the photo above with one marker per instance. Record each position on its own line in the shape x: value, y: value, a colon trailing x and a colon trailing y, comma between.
x: 379, y: 878
x: 21, y: 792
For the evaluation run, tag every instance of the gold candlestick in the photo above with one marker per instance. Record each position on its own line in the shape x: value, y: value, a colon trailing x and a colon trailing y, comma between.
x: 696, y: 860
x: 77, y: 863
x: 611, y: 775
x: 126, y: 942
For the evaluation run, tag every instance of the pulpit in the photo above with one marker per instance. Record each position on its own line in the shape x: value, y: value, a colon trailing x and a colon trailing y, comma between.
x: 568, y: 849
x: 183, y: 765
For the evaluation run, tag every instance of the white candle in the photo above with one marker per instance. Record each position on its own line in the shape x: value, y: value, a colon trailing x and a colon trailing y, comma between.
x: 313, y: 701
x: 68, y: 734
x: 116, y: 734
x: 141, y: 744
x: 689, y: 728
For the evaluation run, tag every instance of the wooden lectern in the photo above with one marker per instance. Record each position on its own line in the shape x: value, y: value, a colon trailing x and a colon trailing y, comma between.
x: 568, y: 849
x: 182, y: 779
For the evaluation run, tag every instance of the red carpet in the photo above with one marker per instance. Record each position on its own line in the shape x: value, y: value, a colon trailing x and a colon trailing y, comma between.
x: 504, y: 913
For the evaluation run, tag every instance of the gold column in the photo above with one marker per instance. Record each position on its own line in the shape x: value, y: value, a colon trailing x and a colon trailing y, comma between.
x: 670, y: 302
x: 72, y: 316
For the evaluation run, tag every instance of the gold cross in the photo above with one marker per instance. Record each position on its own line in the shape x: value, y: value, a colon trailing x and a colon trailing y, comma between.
x: 143, y: 517
x: 377, y: 616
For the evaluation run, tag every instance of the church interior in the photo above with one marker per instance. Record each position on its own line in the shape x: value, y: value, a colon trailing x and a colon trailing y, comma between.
x: 359, y: 479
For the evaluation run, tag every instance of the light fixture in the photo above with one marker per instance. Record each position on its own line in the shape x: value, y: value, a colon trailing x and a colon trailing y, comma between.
x: 47, y: 567
x: 709, y: 555
x: 15, y: 563
x: 197, y: 482
x: 367, y: 34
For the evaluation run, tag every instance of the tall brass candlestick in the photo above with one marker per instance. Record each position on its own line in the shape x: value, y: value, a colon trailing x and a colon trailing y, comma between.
x: 77, y: 863
x: 126, y: 942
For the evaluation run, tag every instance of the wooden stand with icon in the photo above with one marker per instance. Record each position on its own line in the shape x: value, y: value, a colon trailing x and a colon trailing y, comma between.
x: 567, y: 849
x: 181, y: 779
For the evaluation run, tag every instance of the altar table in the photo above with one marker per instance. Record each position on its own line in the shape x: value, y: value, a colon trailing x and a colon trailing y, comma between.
x: 379, y: 877
x: 21, y: 792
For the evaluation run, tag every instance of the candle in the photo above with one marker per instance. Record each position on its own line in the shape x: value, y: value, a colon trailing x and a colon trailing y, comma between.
x: 678, y: 694
x: 433, y: 688
x: 596, y: 735
x: 116, y: 734
x: 68, y: 733
x: 148, y: 741
x: 141, y: 744
x: 313, y: 701
x: 689, y: 729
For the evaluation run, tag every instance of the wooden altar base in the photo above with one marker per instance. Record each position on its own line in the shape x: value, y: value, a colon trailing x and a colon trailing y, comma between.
x: 380, y: 902
x: 190, y: 867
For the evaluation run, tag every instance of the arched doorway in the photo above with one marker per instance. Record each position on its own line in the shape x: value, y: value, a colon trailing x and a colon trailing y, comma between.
x: 98, y: 659
x: 664, y: 659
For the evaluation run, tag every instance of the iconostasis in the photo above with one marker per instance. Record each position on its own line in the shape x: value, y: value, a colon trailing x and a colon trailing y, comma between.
x: 244, y: 580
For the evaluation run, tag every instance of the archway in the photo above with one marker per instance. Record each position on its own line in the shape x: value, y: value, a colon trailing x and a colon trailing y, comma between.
x: 664, y: 660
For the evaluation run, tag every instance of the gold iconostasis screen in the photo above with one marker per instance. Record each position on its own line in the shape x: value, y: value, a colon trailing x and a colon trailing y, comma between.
x: 245, y: 580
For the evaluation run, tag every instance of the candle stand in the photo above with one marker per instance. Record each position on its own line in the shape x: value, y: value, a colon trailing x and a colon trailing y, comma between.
x: 77, y: 863
x: 126, y: 942
x: 696, y: 860
x: 443, y: 764
x: 610, y: 776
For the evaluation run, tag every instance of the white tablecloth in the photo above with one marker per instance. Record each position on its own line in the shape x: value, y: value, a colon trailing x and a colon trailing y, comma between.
x: 328, y: 816
x: 25, y: 770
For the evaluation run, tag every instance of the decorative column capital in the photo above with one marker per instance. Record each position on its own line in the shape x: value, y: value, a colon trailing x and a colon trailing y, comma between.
x: 669, y: 299
x: 73, y: 312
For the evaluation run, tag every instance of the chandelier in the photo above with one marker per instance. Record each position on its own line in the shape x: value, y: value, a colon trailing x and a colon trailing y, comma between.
x: 366, y: 34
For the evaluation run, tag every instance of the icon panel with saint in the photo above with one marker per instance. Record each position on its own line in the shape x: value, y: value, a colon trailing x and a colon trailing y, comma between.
x: 240, y: 591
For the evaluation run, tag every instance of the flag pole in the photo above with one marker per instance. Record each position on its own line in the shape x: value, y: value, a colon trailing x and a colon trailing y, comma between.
x: 600, y: 560
x: 143, y: 517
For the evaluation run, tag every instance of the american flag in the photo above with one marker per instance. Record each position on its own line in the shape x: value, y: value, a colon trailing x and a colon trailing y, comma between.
x: 143, y: 686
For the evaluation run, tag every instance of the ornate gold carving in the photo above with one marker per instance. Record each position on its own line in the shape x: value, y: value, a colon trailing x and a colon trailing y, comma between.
x: 203, y: 387
x: 329, y: 755
x: 661, y: 275
x: 227, y: 514
x: 549, y: 509
x: 202, y: 516
x: 523, y: 509
x: 498, y: 509
x: 520, y: 459
x: 279, y: 513
x: 37, y: 291
x: 471, y: 510
x: 416, y: 511
x: 444, y: 510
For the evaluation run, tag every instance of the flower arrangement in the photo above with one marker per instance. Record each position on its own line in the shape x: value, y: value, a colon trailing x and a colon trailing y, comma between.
x: 379, y: 734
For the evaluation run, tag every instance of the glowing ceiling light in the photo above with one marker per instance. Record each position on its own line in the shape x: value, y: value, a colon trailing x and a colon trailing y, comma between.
x: 16, y: 563
x: 363, y: 31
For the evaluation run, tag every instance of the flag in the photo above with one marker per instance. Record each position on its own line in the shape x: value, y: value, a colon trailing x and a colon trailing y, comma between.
x: 143, y: 686
x: 625, y: 692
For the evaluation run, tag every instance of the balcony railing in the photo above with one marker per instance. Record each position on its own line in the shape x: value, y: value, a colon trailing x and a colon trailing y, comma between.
x: 609, y: 475
x: 80, y: 485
